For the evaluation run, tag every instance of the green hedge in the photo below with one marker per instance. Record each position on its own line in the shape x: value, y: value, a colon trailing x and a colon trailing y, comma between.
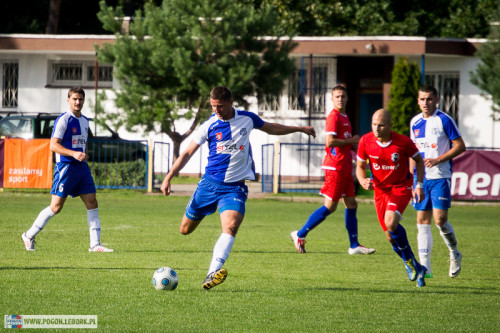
x: 119, y: 174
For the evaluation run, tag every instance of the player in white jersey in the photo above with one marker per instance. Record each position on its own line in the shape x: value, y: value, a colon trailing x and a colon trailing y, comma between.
x: 437, y: 137
x: 72, y: 173
x: 230, y: 163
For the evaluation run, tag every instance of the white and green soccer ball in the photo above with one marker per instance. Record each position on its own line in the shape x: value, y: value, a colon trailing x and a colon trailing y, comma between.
x: 165, y: 278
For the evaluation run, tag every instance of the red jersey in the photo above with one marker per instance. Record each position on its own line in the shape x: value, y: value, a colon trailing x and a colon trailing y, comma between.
x: 338, y: 158
x: 389, y: 162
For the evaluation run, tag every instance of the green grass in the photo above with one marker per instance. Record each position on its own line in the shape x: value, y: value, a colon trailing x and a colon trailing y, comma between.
x: 270, y: 287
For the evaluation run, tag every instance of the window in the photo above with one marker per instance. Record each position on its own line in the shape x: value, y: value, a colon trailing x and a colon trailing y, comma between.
x: 270, y: 103
x: 79, y: 73
x: 10, y: 79
x: 309, y: 85
x: 448, y: 87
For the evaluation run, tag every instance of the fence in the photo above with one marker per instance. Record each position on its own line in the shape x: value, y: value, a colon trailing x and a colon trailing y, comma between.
x: 292, y: 167
x: 115, y: 164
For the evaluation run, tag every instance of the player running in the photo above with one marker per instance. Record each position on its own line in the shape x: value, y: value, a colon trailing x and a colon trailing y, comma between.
x: 388, y: 154
x: 72, y: 173
x: 230, y: 163
x: 338, y: 183
x: 439, y: 141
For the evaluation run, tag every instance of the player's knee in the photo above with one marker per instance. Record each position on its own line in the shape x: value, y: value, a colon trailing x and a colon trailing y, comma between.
x: 56, y: 208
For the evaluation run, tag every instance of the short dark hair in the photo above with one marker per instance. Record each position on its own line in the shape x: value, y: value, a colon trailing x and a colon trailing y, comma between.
x: 76, y: 90
x: 340, y: 87
x: 429, y: 89
x: 221, y: 93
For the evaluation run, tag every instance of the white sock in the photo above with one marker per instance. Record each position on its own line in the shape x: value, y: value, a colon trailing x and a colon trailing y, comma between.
x: 425, y: 242
x: 221, y: 252
x: 448, y: 234
x: 94, y: 226
x: 41, y: 221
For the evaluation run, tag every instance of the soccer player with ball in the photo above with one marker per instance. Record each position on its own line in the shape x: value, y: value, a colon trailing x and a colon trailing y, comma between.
x: 389, y: 154
x: 230, y: 163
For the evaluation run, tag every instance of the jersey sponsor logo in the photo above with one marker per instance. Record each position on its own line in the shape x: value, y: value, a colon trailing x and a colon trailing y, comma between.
x: 243, y: 132
x: 228, y: 147
x: 395, y: 157
x: 78, y: 141
x: 373, y: 157
x: 218, y: 136
x: 426, y: 145
x: 377, y: 166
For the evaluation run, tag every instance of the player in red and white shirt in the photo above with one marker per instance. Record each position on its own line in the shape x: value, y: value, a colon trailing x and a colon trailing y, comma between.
x: 389, y: 154
x: 338, y: 177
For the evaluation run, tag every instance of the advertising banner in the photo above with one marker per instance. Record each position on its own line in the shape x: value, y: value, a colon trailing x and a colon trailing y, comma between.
x: 2, y: 143
x: 476, y: 176
x: 27, y: 163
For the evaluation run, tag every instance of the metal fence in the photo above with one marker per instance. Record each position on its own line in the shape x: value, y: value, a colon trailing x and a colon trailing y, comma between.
x: 118, y: 164
x: 298, y: 167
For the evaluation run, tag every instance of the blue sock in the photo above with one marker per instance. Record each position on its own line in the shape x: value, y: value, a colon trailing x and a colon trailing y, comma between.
x: 351, y: 224
x: 397, y: 250
x: 314, y: 220
x: 399, y: 236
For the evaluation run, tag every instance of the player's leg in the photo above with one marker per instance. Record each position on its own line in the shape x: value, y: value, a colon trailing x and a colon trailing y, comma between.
x: 231, y: 201
x: 62, y: 184
x: 230, y: 222
x: 332, y: 191
x: 351, y: 225
x: 441, y: 195
x: 56, y: 205
x: 94, y: 223
x: 424, y: 239
x: 396, y: 205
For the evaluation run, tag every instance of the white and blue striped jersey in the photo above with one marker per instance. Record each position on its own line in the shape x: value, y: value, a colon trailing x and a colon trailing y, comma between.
x: 433, y: 136
x: 73, y: 132
x: 230, y: 154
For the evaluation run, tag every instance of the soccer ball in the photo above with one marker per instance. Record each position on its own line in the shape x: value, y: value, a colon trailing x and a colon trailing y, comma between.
x: 165, y: 278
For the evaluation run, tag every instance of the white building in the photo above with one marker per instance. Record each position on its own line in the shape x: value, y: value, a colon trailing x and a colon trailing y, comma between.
x: 37, y: 71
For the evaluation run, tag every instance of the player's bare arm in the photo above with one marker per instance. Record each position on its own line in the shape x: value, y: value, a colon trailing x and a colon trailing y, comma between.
x: 332, y: 141
x: 458, y: 147
x: 58, y: 148
x: 180, y: 162
x: 418, y: 192
x: 365, y: 182
x: 279, y: 129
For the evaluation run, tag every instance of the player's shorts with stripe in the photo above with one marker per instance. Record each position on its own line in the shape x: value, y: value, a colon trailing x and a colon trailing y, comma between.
x: 337, y: 185
x: 437, y: 195
x: 72, y: 179
x: 396, y: 201
x: 211, y: 194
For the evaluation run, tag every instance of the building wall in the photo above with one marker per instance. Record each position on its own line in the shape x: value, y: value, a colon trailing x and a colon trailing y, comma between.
x: 476, y: 125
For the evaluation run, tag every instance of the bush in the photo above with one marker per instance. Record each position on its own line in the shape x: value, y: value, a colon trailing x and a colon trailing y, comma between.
x: 129, y: 174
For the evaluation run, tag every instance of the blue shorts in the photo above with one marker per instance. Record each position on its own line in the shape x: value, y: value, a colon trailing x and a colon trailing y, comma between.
x: 211, y: 194
x: 72, y: 179
x: 437, y: 195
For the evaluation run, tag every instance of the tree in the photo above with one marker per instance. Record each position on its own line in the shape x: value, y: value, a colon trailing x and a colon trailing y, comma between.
x: 487, y: 73
x: 403, y: 95
x: 177, y: 52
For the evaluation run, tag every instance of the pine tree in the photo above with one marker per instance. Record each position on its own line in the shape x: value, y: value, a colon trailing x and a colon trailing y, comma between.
x: 403, y: 95
x: 487, y: 73
x: 176, y: 53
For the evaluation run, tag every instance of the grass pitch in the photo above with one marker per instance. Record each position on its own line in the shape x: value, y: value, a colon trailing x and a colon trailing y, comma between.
x: 270, y: 286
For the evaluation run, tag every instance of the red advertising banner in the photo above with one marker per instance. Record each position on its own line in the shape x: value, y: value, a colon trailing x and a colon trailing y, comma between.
x: 476, y: 176
x: 27, y: 163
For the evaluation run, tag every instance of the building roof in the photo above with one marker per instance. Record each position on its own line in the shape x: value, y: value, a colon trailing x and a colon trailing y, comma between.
x: 369, y: 45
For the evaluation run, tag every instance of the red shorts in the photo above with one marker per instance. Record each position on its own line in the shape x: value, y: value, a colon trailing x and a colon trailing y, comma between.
x: 396, y: 201
x: 337, y: 185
